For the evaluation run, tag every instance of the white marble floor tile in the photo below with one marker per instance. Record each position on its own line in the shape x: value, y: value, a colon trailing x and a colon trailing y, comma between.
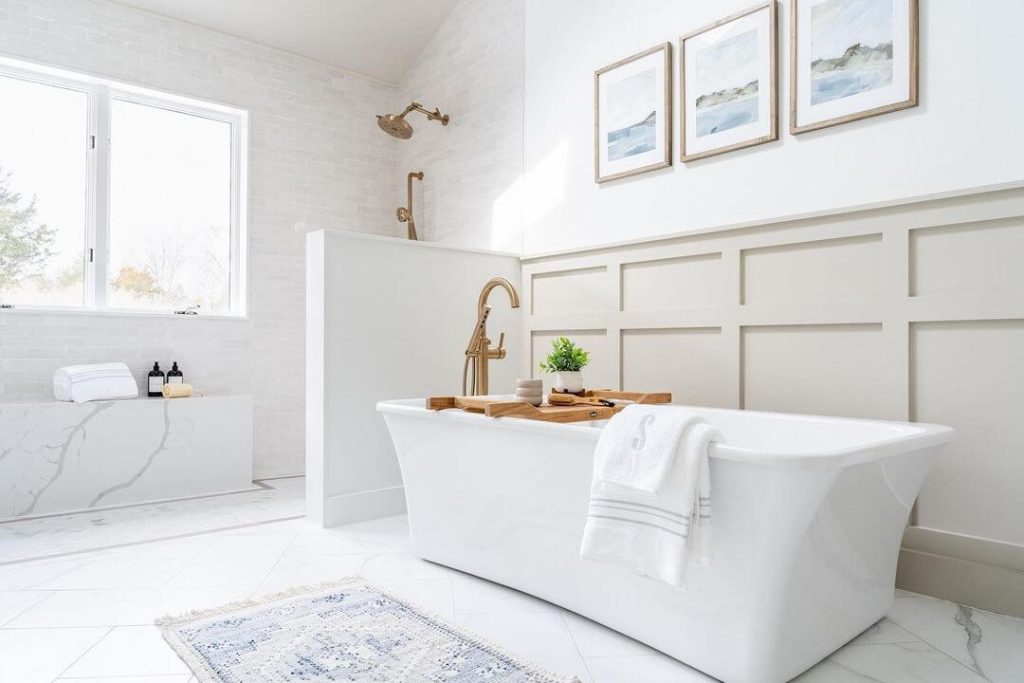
x: 404, y: 567
x: 149, y: 565
x: 81, y: 608
x: 538, y: 637
x: 129, y: 650
x: 26, y: 575
x: 975, y: 638
x: 884, y: 631
x: 235, y: 559
x: 595, y: 640
x: 40, y: 655
x: 13, y: 603
x: 390, y: 531
x: 293, y: 571
x: 650, y: 668
x: 889, y: 663
x: 475, y: 596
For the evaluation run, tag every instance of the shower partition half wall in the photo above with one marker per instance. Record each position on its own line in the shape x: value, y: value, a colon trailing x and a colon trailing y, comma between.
x: 385, y: 317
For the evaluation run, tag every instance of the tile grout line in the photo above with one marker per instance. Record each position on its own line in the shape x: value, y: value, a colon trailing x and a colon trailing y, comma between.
x: 87, y: 651
x: 263, y: 580
x: 31, y: 606
x: 575, y: 645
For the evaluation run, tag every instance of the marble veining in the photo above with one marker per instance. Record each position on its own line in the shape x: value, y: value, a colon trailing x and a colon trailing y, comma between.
x: 149, y: 461
x: 63, y: 457
x: 965, y: 617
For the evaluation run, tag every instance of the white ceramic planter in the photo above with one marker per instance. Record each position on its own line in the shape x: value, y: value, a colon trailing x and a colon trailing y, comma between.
x: 571, y: 382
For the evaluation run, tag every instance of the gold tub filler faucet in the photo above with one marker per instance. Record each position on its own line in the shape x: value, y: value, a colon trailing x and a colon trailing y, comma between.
x: 479, y: 351
x: 405, y: 212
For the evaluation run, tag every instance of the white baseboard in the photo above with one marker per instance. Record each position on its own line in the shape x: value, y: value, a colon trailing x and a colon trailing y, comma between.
x: 979, y: 572
x: 364, y: 505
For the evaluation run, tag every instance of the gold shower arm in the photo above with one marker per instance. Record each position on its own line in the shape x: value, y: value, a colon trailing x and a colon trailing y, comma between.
x: 435, y: 115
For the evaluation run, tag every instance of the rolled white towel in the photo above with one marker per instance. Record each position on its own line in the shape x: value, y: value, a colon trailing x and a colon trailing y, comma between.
x: 102, y: 381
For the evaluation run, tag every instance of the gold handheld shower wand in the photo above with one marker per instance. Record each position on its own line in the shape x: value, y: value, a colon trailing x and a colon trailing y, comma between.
x: 405, y: 212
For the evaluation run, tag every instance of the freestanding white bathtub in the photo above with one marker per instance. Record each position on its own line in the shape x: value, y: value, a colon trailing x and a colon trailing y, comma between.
x: 808, y: 513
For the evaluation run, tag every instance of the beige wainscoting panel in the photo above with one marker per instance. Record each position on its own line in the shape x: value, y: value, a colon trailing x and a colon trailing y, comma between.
x: 573, y: 290
x: 978, y: 257
x: 688, y: 362
x: 601, y: 372
x: 815, y: 369
x: 910, y: 311
x: 685, y: 282
x: 971, y: 375
x: 825, y: 270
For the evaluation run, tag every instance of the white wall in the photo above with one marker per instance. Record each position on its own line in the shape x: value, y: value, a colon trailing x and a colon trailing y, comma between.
x: 388, y: 318
x: 959, y: 137
x: 316, y: 158
x: 473, y: 70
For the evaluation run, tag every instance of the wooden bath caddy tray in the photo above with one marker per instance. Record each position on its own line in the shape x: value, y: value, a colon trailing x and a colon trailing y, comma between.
x: 492, y: 407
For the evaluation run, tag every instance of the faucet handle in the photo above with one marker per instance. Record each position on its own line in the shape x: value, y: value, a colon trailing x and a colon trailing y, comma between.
x: 501, y: 341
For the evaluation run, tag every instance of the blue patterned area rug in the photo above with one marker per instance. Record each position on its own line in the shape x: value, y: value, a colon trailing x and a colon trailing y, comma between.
x: 352, y: 632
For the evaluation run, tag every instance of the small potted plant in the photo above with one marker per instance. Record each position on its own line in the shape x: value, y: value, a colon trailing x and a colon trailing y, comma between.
x: 566, y: 360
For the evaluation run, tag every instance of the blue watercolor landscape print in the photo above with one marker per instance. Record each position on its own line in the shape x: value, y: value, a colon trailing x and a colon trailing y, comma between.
x: 632, y: 110
x: 726, y: 75
x: 851, y: 48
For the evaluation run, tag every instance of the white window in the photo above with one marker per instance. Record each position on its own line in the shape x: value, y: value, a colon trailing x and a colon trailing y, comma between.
x: 118, y: 198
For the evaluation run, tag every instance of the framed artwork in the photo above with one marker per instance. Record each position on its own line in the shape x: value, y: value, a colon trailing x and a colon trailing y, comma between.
x: 728, y: 78
x: 851, y: 59
x: 633, y: 115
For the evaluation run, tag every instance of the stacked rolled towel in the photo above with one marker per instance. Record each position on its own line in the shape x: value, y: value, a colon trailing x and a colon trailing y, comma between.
x: 102, y: 381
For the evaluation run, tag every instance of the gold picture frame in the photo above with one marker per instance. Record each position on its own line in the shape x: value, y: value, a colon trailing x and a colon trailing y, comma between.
x: 614, y: 164
x: 912, y: 57
x: 767, y: 64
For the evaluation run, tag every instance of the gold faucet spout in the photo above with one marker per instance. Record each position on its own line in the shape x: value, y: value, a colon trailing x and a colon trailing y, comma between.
x: 405, y: 212
x: 479, y: 351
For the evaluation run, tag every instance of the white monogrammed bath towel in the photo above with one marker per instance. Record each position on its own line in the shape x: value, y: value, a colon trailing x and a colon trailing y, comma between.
x: 656, y: 533
x: 103, y: 381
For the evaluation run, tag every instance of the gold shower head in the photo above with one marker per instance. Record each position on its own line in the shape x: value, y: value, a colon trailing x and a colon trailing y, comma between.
x: 396, y: 126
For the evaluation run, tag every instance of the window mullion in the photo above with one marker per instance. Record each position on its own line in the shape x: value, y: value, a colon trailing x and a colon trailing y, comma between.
x: 101, y: 198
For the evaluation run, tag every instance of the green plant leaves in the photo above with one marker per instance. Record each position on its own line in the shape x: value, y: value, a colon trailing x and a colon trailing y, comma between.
x: 565, y: 357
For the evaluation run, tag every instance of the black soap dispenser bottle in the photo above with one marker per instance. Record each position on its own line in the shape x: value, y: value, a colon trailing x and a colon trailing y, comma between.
x: 156, y: 381
x: 174, y: 375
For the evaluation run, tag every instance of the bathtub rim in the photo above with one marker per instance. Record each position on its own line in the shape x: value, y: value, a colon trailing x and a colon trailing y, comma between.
x: 917, y: 435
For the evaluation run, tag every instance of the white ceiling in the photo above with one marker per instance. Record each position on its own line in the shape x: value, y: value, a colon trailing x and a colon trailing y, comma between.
x: 379, y: 38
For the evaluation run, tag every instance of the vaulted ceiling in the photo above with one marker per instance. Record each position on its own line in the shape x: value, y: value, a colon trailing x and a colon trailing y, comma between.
x: 378, y: 38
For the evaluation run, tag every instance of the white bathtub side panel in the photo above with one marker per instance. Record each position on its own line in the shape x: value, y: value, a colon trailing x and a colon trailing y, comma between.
x: 510, y: 505
x: 60, y: 457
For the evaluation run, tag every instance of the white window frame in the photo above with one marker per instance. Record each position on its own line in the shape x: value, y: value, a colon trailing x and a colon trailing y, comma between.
x: 100, y: 93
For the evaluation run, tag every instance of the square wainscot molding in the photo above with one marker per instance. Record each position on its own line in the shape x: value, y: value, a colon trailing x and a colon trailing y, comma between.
x: 64, y: 457
x: 692, y: 363
x: 976, y: 257
x: 971, y: 375
x: 570, y: 291
x: 675, y: 283
x: 815, y: 369
x: 842, y: 269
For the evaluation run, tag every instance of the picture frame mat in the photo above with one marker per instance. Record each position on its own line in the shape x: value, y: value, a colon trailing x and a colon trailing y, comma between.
x: 901, y: 94
x: 763, y: 18
x: 660, y: 58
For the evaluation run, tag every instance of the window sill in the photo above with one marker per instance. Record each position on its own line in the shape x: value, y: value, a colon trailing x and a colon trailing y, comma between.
x: 117, y: 313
